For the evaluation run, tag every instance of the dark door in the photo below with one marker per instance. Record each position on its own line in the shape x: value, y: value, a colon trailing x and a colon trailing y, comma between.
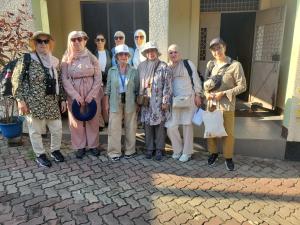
x: 237, y: 30
x: 107, y: 17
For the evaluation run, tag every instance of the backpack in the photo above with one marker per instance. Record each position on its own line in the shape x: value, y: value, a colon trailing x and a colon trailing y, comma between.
x: 190, y: 72
x: 6, y: 85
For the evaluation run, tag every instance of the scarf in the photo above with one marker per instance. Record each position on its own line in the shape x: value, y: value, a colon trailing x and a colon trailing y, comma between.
x: 146, y: 71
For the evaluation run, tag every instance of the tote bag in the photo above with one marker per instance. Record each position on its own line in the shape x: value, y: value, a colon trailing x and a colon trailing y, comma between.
x: 214, y: 124
x: 198, y: 117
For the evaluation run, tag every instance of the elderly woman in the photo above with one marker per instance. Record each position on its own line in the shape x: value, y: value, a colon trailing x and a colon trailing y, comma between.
x: 119, y: 38
x: 139, y: 40
x: 187, y: 87
x: 104, y: 59
x: 155, y: 87
x: 38, y: 96
x: 82, y: 81
x: 121, y: 91
x: 223, y: 91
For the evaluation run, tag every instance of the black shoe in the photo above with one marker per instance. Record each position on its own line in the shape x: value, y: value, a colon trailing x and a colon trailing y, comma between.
x: 212, y: 159
x: 229, y: 164
x: 58, y: 157
x: 158, y: 155
x: 149, y: 154
x: 95, y: 151
x: 129, y: 156
x: 80, y: 153
x: 42, y: 160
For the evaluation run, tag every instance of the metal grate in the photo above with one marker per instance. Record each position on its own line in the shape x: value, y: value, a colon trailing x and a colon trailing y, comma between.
x: 268, y: 43
x: 203, y: 37
x: 228, y: 5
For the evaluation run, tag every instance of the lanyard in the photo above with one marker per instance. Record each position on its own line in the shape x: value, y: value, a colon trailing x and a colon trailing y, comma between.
x: 123, y: 79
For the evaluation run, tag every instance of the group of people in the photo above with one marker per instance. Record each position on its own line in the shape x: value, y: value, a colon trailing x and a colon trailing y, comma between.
x: 117, y: 88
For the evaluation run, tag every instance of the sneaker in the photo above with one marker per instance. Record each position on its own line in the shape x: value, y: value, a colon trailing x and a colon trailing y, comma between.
x: 212, y: 159
x: 58, y: 157
x: 42, y: 160
x: 229, y: 164
x: 185, y: 158
x: 129, y: 156
x: 115, y: 159
x: 80, y: 153
x: 95, y: 151
x: 176, y: 155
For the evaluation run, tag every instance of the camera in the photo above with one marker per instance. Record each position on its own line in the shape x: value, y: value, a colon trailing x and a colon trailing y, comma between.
x: 50, y: 86
x: 123, y: 97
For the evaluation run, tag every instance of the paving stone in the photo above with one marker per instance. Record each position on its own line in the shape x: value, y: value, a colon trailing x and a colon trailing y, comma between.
x: 49, y: 213
x: 110, y: 219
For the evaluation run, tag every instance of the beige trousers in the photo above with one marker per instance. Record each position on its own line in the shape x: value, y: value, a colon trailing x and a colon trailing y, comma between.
x: 36, y: 128
x: 228, y: 142
x: 115, y: 132
x: 182, y: 145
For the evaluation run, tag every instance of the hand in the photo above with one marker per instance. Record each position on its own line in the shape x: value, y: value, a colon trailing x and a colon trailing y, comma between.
x: 80, y: 100
x: 23, y: 109
x: 63, y: 106
x: 210, y: 96
x: 88, y: 99
x: 219, y: 95
x: 138, y: 108
x: 197, y: 101
x: 164, y: 107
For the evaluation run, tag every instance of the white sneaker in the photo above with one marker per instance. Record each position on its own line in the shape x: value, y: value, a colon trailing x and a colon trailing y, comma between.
x: 176, y: 155
x: 184, y: 158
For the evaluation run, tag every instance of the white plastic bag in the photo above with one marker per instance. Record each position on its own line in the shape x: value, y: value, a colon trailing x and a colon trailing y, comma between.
x: 198, y: 117
x: 214, y: 124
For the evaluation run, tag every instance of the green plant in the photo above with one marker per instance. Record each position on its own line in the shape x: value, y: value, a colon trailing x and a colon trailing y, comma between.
x: 14, y: 36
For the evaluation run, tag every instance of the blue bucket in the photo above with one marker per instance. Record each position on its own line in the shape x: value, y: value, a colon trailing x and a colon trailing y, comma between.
x: 12, y: 130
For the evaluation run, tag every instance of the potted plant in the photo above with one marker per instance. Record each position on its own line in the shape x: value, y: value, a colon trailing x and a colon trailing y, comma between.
x: 14, y: 36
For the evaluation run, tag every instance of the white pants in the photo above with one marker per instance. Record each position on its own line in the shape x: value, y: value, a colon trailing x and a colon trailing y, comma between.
x: 115, y: 132
x: 36, y: 128
x: 179, y: 145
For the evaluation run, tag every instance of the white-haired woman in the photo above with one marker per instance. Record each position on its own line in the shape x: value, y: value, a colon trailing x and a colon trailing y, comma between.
x: 188, y: 86
x: 38, y: 94
x: 121, y: 92
x: 82, y: 81
x: 119, y: 38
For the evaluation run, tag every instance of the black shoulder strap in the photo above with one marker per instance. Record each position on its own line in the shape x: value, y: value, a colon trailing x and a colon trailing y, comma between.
x: 25, y: 72
x: 210, y: 67
x: 189, y: 69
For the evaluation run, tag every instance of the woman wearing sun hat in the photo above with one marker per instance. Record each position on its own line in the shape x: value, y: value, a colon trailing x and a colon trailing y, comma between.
x: 38, y: 96
x: 82, y: 81
x: 155, y: 87
x: 121, y: 92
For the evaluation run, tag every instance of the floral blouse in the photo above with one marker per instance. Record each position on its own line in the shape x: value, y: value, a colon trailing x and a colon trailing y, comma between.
x: 160, y: 94
x: 32, y: 91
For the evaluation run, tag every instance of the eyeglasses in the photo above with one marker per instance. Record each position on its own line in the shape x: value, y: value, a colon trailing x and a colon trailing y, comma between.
x: 100, y: 40
x: 120, y: 38
x: 79, y: 39
x: 173, y: 52
x: 40, y: 41
x: 139, y: 37
x: 216, y: 47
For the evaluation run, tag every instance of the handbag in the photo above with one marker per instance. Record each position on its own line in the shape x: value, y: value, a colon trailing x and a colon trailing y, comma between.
x: 198, y: 117
x: 214, y: 124
x: 181, y: 102
x: 143, y: 100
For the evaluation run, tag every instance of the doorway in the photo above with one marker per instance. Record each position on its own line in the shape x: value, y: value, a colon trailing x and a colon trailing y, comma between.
x: 237, y: 30
x: 108, y: 17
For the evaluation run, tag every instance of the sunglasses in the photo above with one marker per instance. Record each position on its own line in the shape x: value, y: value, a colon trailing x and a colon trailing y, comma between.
x: 79, y: 39
x: 139, y: 37
x: 40, y: 41
x: 120, y: 38
x: 100, y: 40
x: 123, y: 54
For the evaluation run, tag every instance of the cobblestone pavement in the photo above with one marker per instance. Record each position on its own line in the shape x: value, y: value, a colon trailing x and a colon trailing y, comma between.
x: 139, y: 191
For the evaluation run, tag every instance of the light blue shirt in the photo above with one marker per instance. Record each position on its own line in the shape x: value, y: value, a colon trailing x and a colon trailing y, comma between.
x: 123, y: 83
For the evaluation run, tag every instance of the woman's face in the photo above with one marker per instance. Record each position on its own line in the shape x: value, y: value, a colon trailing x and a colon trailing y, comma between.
x: 78, y: 43
x: 139, y: 38
x: 151, y: 54
x: 174, y: 55
x: 42, y: 44
x: 100, y: 42
x: 218, y: 51
x: 119, y: 40
x: 122, y: 58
